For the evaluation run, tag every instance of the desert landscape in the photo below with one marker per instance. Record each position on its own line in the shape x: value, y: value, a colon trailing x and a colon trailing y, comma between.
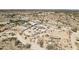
x: 39, y: 30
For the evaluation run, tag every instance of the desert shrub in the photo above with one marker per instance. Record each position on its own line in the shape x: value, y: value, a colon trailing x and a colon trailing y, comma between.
x: 50, y: 47
x: 74, y: 29
x: 17, y: 42
x: 28, y: 45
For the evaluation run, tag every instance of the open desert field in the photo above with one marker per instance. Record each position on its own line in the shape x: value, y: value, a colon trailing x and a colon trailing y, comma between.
x: 39, y: 30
